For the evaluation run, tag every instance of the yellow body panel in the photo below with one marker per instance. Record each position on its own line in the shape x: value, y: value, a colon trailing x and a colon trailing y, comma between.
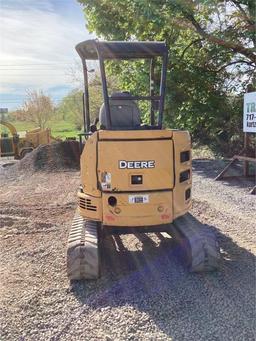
x: 157, y: 211
x: 110, y: 153
x: 38, y: 136
x: 89, y: 206
x: 134, y: 134
x: 162, y: 187
x: 88, y: 162
x: 182, y: 143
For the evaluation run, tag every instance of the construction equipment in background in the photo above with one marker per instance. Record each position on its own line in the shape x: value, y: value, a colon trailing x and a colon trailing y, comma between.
x: 18, y: 145
x: 134, y: 177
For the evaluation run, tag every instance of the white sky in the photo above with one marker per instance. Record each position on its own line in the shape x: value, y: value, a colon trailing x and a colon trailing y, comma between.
x: 37, y: 40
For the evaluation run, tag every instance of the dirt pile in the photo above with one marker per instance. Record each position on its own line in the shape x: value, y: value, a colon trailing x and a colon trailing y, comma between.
x: 51, y: 157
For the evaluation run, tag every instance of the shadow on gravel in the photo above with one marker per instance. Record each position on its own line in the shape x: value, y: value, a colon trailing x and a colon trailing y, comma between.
x: 212, y: 168
x: 184, y: 306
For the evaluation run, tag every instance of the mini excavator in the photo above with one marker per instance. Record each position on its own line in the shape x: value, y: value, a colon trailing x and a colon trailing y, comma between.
x: 135, y: 177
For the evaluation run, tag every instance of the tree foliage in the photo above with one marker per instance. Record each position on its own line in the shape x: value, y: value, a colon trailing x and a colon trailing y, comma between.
x: 38, y: 108
x: 211, y: 55
x: 71, y: 107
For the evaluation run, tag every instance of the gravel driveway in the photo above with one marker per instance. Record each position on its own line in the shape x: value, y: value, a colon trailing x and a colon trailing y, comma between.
x: 144, y: 292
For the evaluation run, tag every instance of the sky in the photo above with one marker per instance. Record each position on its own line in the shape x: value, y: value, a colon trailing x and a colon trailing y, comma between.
x: 37, y: 48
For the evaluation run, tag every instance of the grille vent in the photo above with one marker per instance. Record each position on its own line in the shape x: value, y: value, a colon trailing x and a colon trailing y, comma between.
x: 184, y: 176
x: 188, y: 194
x: 86, y: 204
x: 185, y: 156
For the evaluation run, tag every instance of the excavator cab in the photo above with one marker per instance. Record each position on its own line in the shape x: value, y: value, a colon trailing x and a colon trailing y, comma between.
x: 134, y: 177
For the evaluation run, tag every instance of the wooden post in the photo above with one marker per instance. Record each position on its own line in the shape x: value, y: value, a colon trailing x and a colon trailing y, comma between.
x: 250, y: 88
x: 246, y: 146
x: 253, y: 191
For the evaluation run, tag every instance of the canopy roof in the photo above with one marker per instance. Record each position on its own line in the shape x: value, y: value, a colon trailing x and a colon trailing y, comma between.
x: 90, y: 49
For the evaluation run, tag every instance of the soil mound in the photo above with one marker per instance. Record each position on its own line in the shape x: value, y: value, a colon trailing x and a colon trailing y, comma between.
x: 51, y: 157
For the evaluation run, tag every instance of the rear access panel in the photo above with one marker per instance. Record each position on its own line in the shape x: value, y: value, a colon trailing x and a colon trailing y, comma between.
x: 137, y: 209
x: 135, y: 165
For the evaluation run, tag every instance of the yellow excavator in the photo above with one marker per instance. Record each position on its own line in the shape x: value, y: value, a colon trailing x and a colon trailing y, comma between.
x: 17, y: 145
x: 135, y: 177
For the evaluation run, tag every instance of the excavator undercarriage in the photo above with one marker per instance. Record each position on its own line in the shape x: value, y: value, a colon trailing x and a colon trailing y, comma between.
x: 197, y: 246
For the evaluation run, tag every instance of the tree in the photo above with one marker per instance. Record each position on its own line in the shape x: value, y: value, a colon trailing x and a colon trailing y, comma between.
x: 71, y: 107
x: 211, y: 55
x: 18, y: 115
x: 38, y: 107
x: 229, y: 25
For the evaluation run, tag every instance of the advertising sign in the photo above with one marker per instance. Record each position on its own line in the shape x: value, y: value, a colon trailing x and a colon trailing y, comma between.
x: 249, y: 125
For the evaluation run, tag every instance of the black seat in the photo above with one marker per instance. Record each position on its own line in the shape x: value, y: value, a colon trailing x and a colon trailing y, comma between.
x: 124, y: 113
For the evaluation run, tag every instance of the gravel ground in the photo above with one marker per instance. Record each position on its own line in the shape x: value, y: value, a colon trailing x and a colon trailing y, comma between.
x: 144, y: 292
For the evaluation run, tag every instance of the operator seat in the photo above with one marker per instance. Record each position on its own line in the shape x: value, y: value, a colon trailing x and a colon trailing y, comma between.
x: 124, y: 113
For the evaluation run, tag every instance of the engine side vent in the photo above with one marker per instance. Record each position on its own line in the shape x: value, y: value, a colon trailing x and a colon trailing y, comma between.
x: 86, y: 204
x: 187, y: 193
x: 184, y: 175
x: 185, y: 156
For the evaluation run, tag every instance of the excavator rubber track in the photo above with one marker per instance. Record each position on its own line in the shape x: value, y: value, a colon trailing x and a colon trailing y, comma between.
x: 197, y: 243
x: 82, y: 250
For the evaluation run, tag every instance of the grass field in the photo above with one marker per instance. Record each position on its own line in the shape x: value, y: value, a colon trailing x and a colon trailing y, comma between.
x: 58, y: 128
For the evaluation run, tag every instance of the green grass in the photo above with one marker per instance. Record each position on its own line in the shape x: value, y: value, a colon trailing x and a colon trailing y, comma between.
x: 59, y: 128
x: 63, y: 129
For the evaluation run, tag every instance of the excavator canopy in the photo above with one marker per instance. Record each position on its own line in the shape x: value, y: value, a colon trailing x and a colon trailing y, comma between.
x: 93, y: 49
x: 124, y: 50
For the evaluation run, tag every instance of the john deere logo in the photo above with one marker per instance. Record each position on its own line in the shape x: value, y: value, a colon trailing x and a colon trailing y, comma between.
x: 136, y: 164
